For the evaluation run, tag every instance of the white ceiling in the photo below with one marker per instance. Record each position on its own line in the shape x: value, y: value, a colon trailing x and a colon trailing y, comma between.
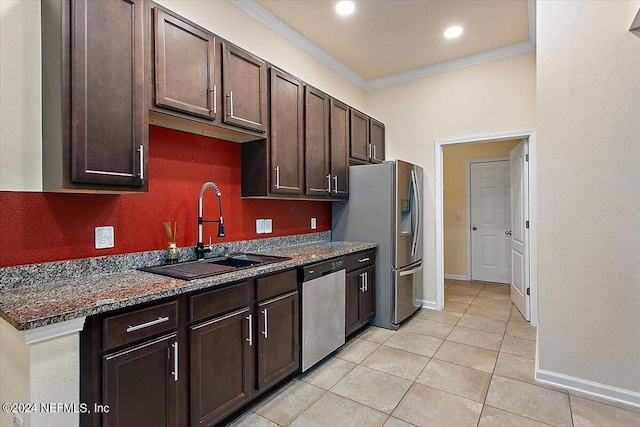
x: 388, y: 41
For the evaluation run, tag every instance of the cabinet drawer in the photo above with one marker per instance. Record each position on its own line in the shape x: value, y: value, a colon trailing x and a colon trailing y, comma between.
x: 276, y: 284
x: 138, y: 324
x: 361, y: 259
x: 212, y: 303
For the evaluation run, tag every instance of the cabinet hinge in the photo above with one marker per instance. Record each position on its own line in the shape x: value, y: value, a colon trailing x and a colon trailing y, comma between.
x: 528, y: 291
x: 526, y: 224
x: 526, y: 157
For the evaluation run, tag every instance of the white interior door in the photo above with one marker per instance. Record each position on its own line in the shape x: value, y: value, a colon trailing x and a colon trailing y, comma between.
x: 519, y: 232
x: 490, y: 221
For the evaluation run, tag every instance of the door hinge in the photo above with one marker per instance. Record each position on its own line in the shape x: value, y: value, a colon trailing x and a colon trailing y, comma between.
x: 528, y: 291
x: 526, y: 157
x: 526, y: 224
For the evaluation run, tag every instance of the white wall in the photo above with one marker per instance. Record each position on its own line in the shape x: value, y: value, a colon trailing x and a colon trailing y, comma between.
x: 20, y: 100
x: 588, y: 200
x: 20, y: 103
x: 492, y: 97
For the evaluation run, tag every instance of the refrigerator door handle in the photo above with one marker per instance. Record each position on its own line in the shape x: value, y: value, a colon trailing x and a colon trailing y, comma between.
x: 412, y: 271
x: 416, y: 209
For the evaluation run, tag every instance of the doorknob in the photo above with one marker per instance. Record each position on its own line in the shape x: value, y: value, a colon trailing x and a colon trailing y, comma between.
x: 507, y: 233
x: 474, y: 228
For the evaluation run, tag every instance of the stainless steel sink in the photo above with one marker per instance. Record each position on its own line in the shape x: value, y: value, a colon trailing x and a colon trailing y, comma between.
x: 210, y: 267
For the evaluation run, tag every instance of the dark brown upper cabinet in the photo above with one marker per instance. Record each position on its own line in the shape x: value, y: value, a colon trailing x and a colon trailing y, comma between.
x: 376, y: 136
x: 184, y: 67
x: 367, y: 139
x: 245, y: 89
x: 339, y: 150
x: 286, y: 144
x: 359, y: 144
x: 93, y: 94
x: 316, y: 143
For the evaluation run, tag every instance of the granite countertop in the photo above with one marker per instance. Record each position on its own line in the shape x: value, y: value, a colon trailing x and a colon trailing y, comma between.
x: 47, y: 302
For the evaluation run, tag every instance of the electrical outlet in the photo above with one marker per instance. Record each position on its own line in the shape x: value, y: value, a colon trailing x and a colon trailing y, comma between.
x: 104, y: 237
x: 260, y: 226
x: 17, y: 420
x: 268, y: 226
x: 313, y: 223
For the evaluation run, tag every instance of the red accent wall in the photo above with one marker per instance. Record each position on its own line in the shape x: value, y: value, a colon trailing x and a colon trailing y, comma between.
x: 40, y: 227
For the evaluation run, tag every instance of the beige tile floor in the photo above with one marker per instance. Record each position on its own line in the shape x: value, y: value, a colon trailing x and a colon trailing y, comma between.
x: 471, y: 364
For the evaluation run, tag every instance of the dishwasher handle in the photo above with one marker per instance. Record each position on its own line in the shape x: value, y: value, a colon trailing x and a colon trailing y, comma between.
x: 321, y: 269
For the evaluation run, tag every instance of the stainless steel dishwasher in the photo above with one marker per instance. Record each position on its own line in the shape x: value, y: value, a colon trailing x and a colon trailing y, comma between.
x: 323, y: 310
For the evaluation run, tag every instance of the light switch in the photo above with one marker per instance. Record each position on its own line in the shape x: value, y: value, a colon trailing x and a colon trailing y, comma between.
x: 260, y: 226
x: 104, y: 237
x: 458, y: 216
x: 313, y: 223
x: 268, y: 226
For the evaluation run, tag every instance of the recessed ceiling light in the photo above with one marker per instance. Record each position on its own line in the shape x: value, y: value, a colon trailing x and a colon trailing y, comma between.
x: 345, y: 7
x: 453, y: 32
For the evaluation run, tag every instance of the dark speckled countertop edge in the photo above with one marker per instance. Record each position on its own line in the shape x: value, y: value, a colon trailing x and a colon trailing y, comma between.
x: 39, y: 305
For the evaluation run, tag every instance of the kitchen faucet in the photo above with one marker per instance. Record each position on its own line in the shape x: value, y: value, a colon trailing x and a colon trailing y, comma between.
x: 201, y: 248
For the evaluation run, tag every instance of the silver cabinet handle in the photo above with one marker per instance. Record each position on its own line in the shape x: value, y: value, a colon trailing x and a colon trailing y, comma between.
x: 364, y: 259
x: 147, y: 324
x: 366, y: 281
x: 361, y: 281
x: 277, y: 169
x: 215, y: 100
x: 175, y: 361
x: 250, y: 339
x: 374, y: 153
x: 230, y: 96
x: 266, y: 327
x: 369, y: 150
x: 141, y: 150
x: 335, y: 184
x: 329, y: 183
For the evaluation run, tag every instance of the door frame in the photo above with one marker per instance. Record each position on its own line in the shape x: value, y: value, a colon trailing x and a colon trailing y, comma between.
x: 468, y: 195
x: 439, y: 203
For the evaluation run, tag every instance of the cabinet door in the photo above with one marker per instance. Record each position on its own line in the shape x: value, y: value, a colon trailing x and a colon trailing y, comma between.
x: 278, y: 352
x: 287, y: 134
x: 367, y: 295
x: 353, y: 286
x: 376, y: 135
x: 184, y: 67
x: 359, y: 136
x: 108, y: 112
x: 221, y: 359
x: 339, y: 150
x: 140, y: 385
x: 316, y: 143
x: 245, y: 89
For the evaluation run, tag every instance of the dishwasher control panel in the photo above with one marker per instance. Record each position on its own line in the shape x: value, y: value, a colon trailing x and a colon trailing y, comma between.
x: 320, y: 269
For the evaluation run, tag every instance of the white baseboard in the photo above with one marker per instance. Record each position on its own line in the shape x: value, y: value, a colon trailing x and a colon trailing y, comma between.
x: 455, y: 277
x: 596, y: 389
x: 431, y: 305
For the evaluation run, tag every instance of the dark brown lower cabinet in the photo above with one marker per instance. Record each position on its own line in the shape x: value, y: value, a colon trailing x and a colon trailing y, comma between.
x: 360, y: 299
x: 139, y: 378
x: 278, y: 354
x: 221, y: 362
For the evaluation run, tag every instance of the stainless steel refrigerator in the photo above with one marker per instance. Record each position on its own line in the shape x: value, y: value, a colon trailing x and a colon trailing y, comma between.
x: 385, y: 206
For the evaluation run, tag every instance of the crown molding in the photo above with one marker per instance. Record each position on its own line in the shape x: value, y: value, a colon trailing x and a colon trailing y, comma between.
x: 443, y: 67
x: 253, y: 9
x: 260, y: 14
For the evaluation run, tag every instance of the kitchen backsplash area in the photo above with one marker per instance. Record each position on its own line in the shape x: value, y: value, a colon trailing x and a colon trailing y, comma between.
x: 53, y: 226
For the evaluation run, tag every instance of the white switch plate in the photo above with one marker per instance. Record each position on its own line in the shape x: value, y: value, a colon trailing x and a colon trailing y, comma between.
x: 260, y: 226
x: 313, y: 223
x: 104, y: 237
x: 268, y: 226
